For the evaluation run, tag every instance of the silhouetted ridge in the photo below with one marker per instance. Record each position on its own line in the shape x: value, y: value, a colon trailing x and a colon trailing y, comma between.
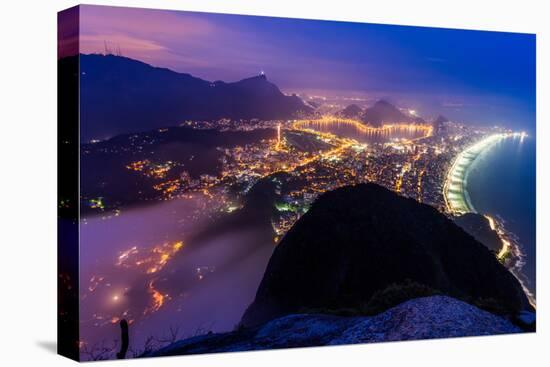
x: 384, y: 112
x: 352, y: 111
x: 122, y: 95
x: 357, y: 240
x: 478, y: 226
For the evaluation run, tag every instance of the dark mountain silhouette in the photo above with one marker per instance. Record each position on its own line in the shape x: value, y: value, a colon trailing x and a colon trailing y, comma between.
x: 122, y: 95
x: 352, y: 111
x: 478, y: 226
x: 383, y: 112
x: 358, y: 240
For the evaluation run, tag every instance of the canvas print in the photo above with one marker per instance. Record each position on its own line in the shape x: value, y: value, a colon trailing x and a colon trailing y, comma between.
x: 235, y: 183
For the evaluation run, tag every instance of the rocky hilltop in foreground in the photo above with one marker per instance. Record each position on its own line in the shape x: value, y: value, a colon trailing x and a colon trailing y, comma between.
x: 367, y: 265
x: 422, y: 318
x: 358, y: 242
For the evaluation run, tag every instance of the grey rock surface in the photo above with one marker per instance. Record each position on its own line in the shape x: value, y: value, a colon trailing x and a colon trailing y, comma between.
x: 421, y: 318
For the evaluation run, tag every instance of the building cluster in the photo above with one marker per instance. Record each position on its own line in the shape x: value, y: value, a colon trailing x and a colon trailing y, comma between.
x: 305, y: 162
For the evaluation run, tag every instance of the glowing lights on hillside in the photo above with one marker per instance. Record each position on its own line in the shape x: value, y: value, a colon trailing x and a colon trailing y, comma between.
x: 511, y: 254
x: 157, y: 298
x: 152, y: 260
x: 149, y: 169
x: 97, y: 203
x: 278, y: 136
x: 138, y: 166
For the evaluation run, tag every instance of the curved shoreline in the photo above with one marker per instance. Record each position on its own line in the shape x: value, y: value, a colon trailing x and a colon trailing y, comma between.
x: 457, y: 202
x: 360, y: 126
x: 455, y: 193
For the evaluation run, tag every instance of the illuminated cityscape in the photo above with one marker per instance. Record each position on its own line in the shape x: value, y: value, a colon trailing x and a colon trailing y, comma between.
x: 316, y: 161
x: 305, y: 158
x: 195, y: 170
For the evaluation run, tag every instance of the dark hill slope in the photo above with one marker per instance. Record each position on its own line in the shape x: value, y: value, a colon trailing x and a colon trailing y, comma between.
x: 478, y: 226
x: 352, y: 111
x: 122, y: 95
x: 358, y: 240
x: 383, y: 112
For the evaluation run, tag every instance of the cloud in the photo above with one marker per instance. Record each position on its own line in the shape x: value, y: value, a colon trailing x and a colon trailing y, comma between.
x: 97, y: 43
x: 186, y: 42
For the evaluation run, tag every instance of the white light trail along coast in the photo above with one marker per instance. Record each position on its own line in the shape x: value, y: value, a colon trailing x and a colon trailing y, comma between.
x: 457, y: 201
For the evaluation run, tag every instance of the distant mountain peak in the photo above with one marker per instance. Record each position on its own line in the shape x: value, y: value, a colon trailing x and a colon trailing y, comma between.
x: 261, y: 76
x: 259, y: 79
x: 122, y: 95
x: 384, y: 112
x: 351, y: 111
x: 383, y: 102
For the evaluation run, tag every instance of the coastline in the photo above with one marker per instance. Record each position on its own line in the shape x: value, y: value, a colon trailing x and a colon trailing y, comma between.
x: 455, y: 193
x: 457, y: 202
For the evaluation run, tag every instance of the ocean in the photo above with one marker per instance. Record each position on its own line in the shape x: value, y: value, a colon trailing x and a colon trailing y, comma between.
x: 502, y: 183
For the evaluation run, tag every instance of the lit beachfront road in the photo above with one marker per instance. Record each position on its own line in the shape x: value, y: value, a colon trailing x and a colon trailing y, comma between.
x: 457, y: 201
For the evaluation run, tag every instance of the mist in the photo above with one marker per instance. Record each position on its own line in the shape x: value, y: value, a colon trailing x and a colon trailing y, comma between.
x: 132, y: 266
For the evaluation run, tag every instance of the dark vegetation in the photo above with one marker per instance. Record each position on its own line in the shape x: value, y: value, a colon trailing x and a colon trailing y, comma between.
x: 381, y: 300
x: 396, y: 294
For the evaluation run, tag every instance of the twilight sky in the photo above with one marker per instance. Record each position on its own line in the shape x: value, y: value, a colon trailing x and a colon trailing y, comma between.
x: 474, y: 76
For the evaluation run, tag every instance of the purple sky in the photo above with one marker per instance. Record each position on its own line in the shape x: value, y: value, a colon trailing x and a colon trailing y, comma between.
x: 470, y: 75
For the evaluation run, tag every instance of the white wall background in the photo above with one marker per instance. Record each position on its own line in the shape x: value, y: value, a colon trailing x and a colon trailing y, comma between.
x: 28, y: 181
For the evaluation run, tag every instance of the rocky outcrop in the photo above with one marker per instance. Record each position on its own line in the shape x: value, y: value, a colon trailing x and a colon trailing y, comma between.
x: 422, y: 318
